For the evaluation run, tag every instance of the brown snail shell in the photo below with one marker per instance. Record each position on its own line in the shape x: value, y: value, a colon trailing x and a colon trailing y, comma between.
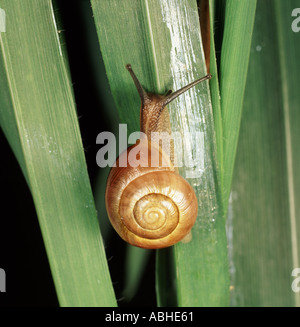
x: 151, y: 207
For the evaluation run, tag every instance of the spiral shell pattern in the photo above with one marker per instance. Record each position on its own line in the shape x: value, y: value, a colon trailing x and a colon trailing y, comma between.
x: 150, y: 207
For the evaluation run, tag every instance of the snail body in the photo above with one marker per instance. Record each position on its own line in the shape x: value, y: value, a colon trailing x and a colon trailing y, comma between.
x: 150, y: 206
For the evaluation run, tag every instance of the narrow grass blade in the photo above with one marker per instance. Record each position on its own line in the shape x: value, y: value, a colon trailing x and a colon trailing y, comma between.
x: 38, y: 117
x: 264, y: 219
x: 289, y: 52
x: 215, y: 93
x: 236, y: 42
x: 166, y: 278
x: 136, y: 262
x: 162, y: 42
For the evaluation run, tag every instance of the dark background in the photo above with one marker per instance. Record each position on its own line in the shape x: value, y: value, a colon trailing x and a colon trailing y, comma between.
x: 22, y: 252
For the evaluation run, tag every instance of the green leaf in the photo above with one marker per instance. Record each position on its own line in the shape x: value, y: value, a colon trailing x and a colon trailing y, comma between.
x: 166, y: 278
x: 264, y: 219
x: 235, y: 51
x: 136, y: 261
x: 215, y: 93
x: 161, y: 39
x: 38, y: 117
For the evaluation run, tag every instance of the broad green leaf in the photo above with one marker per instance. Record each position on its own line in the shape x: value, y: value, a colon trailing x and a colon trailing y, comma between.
x: 38, y: 117
x: 161, y: 39
x: 264, y: 219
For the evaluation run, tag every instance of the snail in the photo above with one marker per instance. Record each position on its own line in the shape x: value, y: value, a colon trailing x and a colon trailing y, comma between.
x: 150, y: 207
